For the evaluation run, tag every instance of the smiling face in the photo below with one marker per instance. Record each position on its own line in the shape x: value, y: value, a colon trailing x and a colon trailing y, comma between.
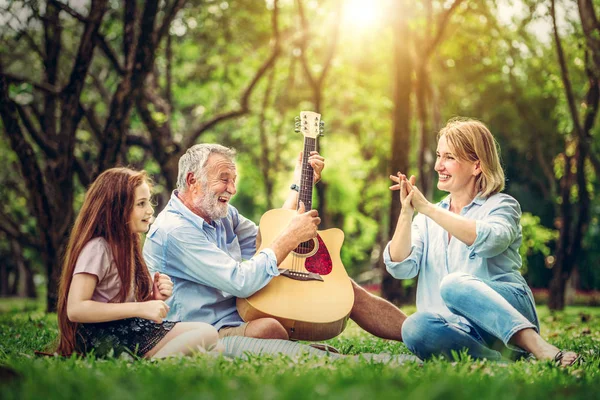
x: 141, y: 215
x: 455, y: 176
x: 212, y: 198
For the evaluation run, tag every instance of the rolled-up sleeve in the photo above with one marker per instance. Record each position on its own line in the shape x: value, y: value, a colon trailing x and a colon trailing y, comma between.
x: 498, y: 230
x: 409, y: 267
x: 191, y: 256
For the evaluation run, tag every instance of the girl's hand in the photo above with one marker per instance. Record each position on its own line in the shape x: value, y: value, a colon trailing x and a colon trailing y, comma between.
x: 162, y: 287
x: 154, y: 310
x: 404, y: 185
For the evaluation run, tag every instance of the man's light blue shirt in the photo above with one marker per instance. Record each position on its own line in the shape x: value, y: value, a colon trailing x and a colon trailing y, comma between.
x: 210, y: 264
x: 493, y: 256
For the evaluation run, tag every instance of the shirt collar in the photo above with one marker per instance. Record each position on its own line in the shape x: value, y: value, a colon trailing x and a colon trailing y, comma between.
x: 479, y: 200
x: 178, y: 206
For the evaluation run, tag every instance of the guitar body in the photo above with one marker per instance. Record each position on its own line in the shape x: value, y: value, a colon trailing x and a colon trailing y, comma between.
x: 315, y: 306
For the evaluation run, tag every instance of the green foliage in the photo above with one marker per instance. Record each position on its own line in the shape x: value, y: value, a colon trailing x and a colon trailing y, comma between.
x: 536, y: 239
x: 276, y: 377
x: 504, y: 73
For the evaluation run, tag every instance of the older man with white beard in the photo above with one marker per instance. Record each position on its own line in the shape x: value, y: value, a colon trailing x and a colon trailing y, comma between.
x: 208, y: 249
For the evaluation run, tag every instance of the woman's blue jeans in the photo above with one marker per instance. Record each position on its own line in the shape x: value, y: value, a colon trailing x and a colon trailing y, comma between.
x: 495, y: 311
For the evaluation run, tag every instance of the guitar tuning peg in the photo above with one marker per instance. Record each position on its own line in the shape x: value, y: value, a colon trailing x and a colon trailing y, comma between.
x: 297, y: 130
x: 322, y: 124
x: 297, y: 119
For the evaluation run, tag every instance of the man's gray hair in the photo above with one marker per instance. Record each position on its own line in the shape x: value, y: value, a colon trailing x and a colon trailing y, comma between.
x: 194, y: 160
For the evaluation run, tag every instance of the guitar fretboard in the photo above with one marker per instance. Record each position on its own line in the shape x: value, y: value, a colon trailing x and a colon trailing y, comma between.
x: 306, y: 180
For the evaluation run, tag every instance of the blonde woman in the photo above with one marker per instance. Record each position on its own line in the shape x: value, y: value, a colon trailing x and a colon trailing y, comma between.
x: 465, y: 250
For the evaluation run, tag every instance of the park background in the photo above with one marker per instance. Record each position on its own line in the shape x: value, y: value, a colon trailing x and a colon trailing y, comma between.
x: 87, y: 85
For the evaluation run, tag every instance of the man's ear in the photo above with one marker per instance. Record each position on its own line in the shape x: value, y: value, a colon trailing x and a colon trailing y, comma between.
x: 190, y: 179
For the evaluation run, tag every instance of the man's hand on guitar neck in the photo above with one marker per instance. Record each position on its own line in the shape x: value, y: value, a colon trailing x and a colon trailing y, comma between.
x: 317, y: 163
x: 301, y: 228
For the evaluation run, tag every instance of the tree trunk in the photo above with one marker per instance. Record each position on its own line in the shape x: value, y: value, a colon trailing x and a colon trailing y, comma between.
x: 3, y: 279
x: 575, y: 217
x: 571, y: 287
x: 26, y: 287
x: 559, y: 273
x: 556, y: 300
x: 13, y: 289
x: 425, y: 157
x: 391, y: 288
x: 24, y: 284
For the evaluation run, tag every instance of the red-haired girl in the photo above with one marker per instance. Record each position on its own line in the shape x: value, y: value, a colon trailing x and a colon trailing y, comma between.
x: 108, y: 302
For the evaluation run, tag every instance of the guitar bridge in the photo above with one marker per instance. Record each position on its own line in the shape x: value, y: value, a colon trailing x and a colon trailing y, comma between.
x: 301, y: 276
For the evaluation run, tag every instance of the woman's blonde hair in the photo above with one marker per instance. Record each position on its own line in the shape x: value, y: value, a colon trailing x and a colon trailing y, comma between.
x: 471, y: 140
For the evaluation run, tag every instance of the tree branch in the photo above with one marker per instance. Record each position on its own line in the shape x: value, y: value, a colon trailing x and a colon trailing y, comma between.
x: 544, y: 165
x: 591, y: 112
x: 591, y: 29
x: 169, y: 72
x: 44, y: 87
x: 164, y: 28
x: 11, y: 229
x: 99, y: 38
x: 92, y: 120
x: 565, y: 73
x: 83, y: 172
x: 442, y: 23
x: 72, y: 92
x: 244, y: 108
x: 129, y: 39
x: 303, y: 43
x: 592, y: 96
x: 97, y: 82
x: 48, y: 148
x: 33, y: 44
x: 333, y: 44
x: 30, y: 169
x: 131, y: 82
x: 161, y: 144
x: 137, y: 140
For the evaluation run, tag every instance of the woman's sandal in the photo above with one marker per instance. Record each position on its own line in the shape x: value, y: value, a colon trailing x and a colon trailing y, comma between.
x: 560, y: 355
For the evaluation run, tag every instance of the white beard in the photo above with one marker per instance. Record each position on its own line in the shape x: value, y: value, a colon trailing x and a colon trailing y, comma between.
x: 212, y: 207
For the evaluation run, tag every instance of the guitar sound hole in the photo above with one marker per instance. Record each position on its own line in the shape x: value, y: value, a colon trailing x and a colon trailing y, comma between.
x: 305, y: 247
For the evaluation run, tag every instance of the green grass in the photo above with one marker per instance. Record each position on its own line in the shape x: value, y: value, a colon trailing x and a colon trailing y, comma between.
x: 266, y: 377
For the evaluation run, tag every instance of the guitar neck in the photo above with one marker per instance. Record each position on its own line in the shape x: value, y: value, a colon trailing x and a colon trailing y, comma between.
x: 307, y: 178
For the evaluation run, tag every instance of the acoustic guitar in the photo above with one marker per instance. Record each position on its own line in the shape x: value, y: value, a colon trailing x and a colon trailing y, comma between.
x: 313, y: 296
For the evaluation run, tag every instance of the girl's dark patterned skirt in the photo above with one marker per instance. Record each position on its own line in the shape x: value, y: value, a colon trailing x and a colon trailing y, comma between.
x: 135, y: 336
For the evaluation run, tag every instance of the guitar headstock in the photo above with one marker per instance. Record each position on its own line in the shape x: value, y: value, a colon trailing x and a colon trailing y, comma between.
x: 310, y: 124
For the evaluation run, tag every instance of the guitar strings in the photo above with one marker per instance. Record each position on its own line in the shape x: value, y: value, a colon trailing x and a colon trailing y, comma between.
x: 306, y: 181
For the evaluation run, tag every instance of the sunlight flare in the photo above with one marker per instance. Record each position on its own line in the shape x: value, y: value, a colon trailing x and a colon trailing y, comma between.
x: 362, y: 13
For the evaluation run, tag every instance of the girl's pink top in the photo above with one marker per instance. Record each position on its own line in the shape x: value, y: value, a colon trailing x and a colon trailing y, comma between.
x: 96, y: 259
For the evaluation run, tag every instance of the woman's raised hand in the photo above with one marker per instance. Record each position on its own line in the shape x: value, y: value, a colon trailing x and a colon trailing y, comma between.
x: 404, y: 185
x: 418, y: 200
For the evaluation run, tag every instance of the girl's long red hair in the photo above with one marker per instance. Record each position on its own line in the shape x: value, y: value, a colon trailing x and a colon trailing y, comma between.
x: 106, y: 213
